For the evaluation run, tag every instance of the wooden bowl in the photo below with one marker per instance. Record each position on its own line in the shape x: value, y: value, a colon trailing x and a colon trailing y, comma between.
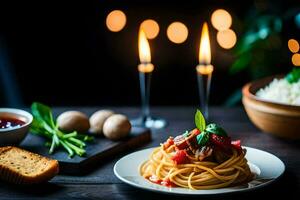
x: 275, y: 118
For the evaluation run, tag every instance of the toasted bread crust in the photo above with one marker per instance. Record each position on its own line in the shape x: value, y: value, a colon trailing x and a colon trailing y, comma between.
x: 23, y: 167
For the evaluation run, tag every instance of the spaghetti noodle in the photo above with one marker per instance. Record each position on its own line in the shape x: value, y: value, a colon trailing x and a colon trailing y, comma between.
x: 196, y: 174
x: 186, y: 161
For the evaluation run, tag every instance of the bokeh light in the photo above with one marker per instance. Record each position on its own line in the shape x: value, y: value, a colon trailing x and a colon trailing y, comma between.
x: 296, y: 59
x: 263, y: 33
x: 177, y: 32
x: 151, y: 28
x: 226, y: 38
x: 293, y: 45
x: 221, y: 19
x: 116, y: 20
x: 297, y: 20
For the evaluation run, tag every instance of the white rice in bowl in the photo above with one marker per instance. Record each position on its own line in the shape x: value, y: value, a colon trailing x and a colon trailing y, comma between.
x: 281, y: 91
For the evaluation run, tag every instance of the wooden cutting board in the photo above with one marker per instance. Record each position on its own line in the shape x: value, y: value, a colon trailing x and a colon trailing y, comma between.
x: 97, y: 151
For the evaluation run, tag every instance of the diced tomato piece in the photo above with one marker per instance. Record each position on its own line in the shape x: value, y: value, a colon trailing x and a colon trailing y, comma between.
x: 236, y: 144
x: 196, y: 131
x: 180, y: 157
x: 168, y: 143
x: 220, y: 141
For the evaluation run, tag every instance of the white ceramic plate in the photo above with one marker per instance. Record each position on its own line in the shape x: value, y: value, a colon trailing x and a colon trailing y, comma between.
x: 264, y: 165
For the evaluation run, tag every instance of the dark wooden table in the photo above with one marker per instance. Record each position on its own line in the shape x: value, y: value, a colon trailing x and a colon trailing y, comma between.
x: 101, y: 183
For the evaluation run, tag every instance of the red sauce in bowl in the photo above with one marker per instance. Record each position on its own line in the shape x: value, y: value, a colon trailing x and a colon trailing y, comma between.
x: 9, y: 122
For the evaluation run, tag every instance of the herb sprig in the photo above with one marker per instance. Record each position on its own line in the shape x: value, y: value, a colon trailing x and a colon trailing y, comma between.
x: 206, y: 131
x: 44, y: 125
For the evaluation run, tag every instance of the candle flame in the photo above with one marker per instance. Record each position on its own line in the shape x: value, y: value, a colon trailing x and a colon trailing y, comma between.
x: 144, y: 48
x: 204, y: 51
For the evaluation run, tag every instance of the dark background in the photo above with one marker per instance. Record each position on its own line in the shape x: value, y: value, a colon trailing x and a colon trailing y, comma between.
x: 61, y: 53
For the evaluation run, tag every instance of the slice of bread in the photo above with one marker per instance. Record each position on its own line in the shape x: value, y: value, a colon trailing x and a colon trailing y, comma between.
x: 23, y: 167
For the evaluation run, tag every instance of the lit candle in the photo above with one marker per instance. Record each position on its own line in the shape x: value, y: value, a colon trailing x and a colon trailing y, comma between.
x: 145, y: 70
x: 204, y: 66
x: 204, y: 70
x: 144, y: 54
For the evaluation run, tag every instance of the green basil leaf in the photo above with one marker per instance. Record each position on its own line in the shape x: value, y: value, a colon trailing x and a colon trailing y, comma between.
x: 215, y: 129
x: 200, y: 121
x: 203, y: 138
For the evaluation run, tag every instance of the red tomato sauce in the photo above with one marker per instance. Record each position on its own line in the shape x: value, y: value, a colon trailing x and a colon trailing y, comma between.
x: 166, y: 182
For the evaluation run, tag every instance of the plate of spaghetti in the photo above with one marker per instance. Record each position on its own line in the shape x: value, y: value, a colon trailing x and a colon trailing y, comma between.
x: 204, y: 161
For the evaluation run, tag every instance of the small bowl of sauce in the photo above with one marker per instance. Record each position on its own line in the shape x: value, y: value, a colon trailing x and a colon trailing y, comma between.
x: 14, y: 125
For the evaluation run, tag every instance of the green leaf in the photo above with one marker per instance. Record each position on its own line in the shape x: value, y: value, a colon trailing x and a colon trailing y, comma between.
x: 215, y: 129
x: 240, y: 63
x: 261, y: 34
x: 200, y: 120
x: 42, y: 112
x: 37, y: 125
x: 203, y: 138
x: 293, y: 76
